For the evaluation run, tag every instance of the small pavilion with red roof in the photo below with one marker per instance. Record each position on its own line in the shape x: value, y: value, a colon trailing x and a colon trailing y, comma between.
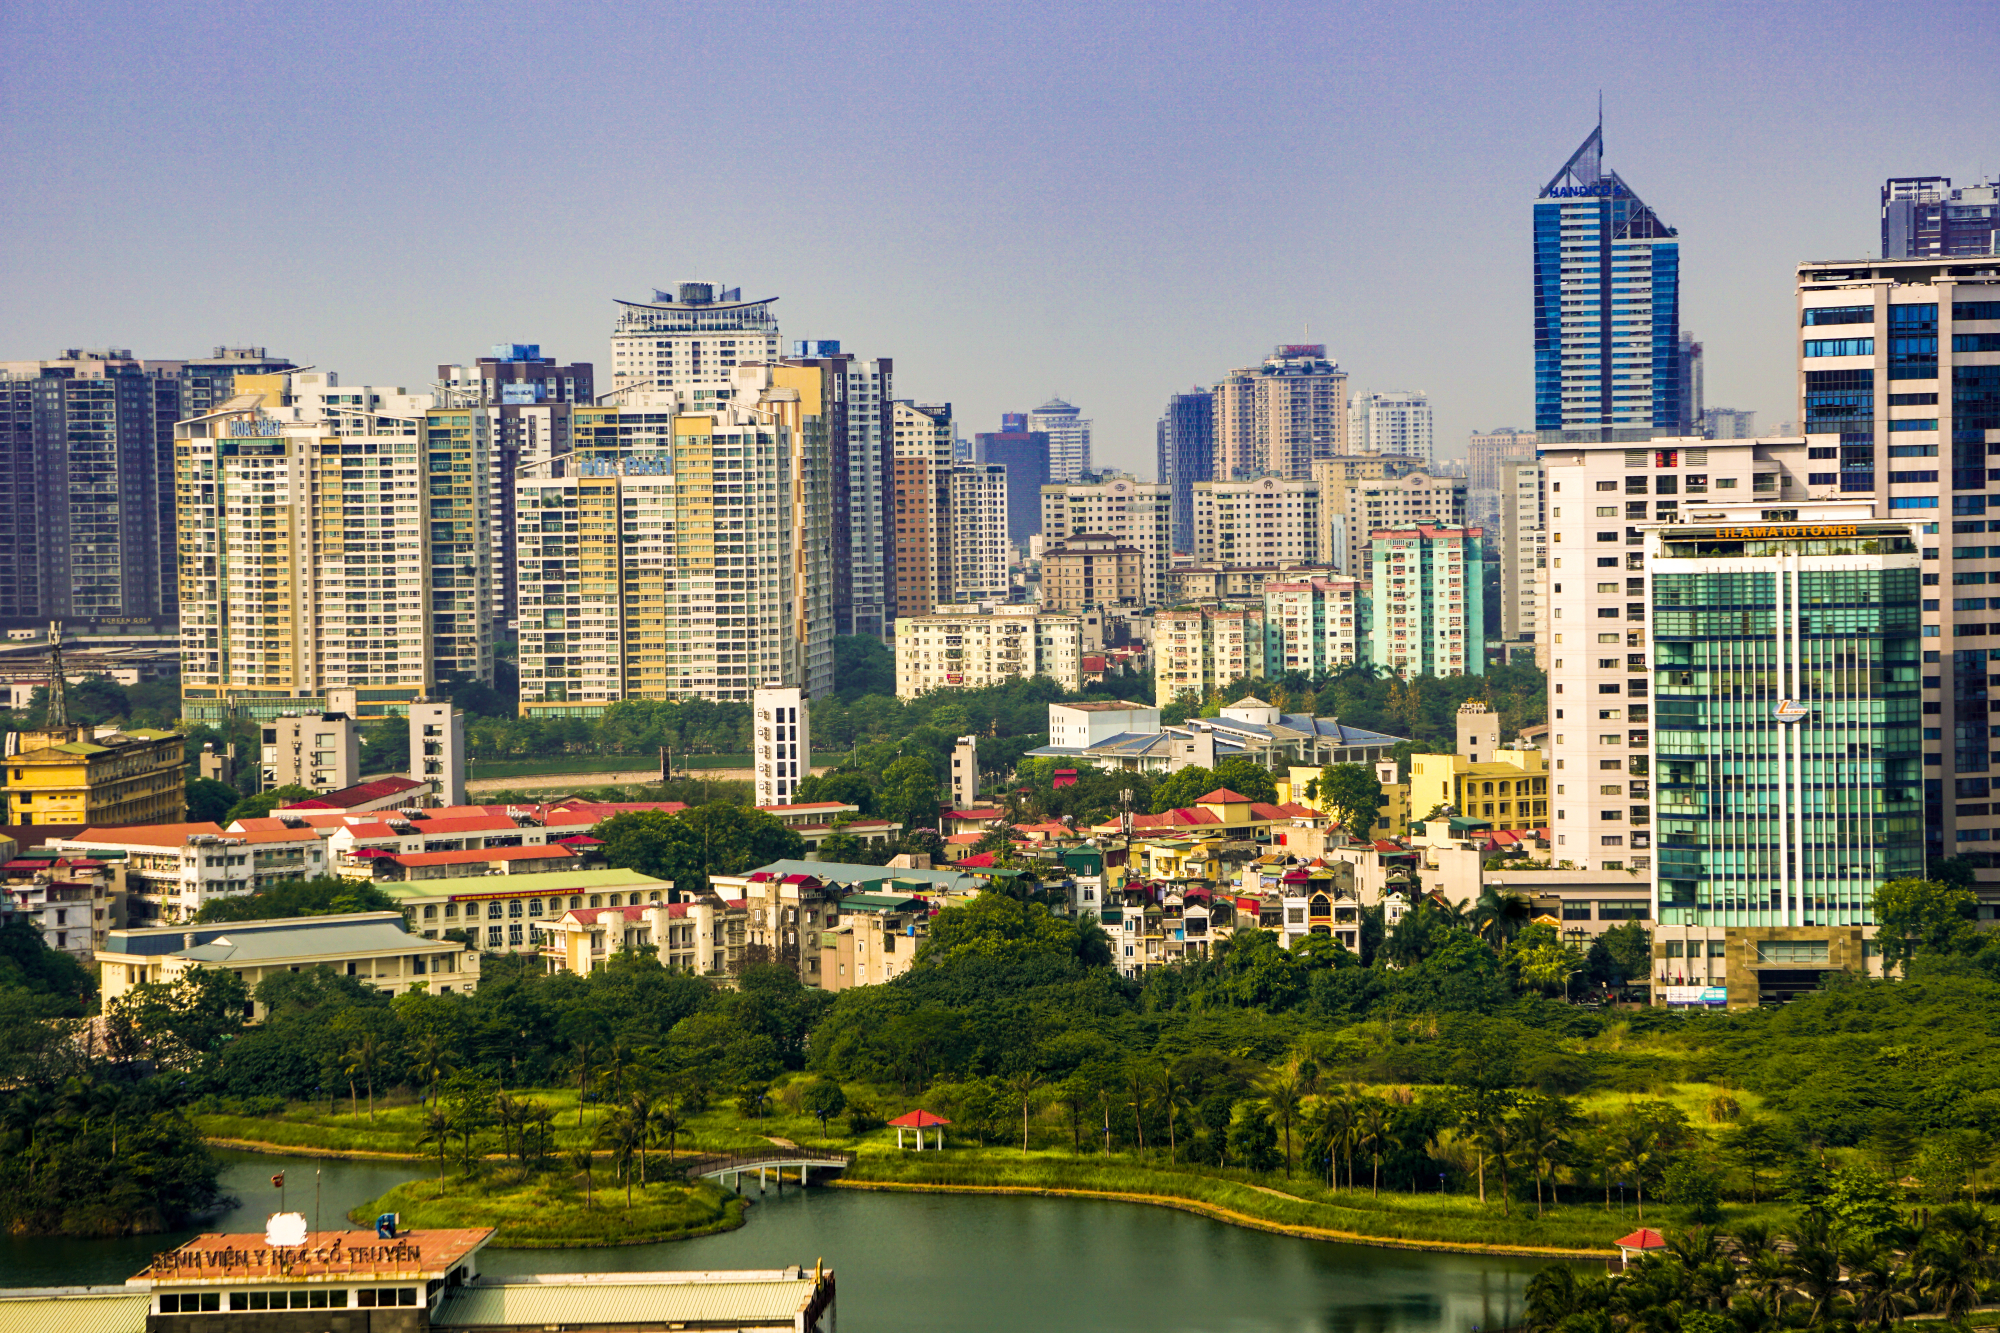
x: 920, y: 1120
x: 1642, y: 1241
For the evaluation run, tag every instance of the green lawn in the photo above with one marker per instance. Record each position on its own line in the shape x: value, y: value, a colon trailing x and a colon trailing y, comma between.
x: 1455, y: 1219
x: 559, y: 1208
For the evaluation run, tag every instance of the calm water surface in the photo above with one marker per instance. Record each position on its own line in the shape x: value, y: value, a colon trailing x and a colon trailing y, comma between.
x: 910, y: 1262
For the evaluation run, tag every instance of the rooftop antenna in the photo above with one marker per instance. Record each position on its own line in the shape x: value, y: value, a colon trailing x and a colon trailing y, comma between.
x: 58, y: 680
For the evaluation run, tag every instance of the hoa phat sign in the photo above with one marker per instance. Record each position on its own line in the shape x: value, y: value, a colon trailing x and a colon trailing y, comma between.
x: 1710, y: 996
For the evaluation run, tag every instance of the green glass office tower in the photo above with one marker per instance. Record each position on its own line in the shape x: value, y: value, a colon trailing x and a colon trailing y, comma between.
x: 1787, y: 750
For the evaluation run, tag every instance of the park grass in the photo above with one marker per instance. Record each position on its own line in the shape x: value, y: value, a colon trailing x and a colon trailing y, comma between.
x: 1580, y: 1226
x: 397, y: 1127
x: 554, y: 1210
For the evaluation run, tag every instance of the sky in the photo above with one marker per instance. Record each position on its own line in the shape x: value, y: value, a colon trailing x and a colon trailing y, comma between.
x: 1108, y: 202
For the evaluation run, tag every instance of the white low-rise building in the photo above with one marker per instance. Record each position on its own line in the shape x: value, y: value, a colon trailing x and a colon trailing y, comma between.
x: 171, y: 871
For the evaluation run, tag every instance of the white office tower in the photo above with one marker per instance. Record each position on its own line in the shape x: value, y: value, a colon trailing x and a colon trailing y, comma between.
x: 1069, y: 438
x: 437, y: 748
x: 1523, y: 555
x: 330, y: 537
x: 1267, y: 522
x: 683, y: 551
x: 1391, y: 423
x: 979, y: 551
x: 1600, y: 497
x: 782, y: 735
x: 965, y: 773
x: 692, y: 338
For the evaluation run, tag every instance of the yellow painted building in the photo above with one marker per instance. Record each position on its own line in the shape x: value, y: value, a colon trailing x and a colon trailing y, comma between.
x: 67, y: 775
x: 1391, y: 821
x: 1511, y: 791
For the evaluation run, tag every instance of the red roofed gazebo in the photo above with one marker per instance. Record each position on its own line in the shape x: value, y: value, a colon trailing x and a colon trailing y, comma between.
x: 919, y: 1120
x: 1639, y: 1242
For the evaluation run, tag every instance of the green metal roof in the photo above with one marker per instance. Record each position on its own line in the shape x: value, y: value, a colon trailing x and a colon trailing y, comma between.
x: 74, y: 1310
x: 879, y: 902
x: 543, y: 881
x: 628, y: 1300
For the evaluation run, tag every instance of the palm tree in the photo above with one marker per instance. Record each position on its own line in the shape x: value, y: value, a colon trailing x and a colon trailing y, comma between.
x: 1632, y: 1150
x: 506, y: 1114
x: 1539, y: 1144
x: 583, y: 1159
x: 1174, y: 1097
x: 437, y: 1137
x: 585, y: 1049
x: 1377, y: 1133
x: 1497, y: 917
x: 1769, y: 1278
x: 1024, y: 1085
x: 667, y: 1124
x: 1815, y: 1272
x: 620, y: 1132
x: 431, y: 1061
x: 1282, y: 1097
x: 364, y: 1057
x: 1500, y: 1140
x: 1950, y: 1275
x: 1879, y: 1286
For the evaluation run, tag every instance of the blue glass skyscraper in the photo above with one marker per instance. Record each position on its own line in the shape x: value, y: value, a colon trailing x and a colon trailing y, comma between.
x: 1607, y: 309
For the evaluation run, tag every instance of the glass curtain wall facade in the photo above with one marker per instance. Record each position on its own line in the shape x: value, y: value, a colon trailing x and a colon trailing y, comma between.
x: 1608, y: 357
x: 1786, y: 745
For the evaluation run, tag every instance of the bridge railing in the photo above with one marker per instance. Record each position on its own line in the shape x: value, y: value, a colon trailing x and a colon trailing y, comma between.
x: 724, y: 1163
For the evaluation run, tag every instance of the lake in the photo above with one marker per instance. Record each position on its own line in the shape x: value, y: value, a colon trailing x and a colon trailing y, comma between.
x: 909, y: 1262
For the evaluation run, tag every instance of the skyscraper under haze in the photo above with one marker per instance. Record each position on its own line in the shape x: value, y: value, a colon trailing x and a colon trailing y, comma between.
x: 1608, y: 357
x: 1186, y: 456
x: 1068, y: 430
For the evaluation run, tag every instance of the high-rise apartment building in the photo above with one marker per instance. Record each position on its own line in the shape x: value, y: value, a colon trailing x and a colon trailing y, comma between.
x: 1688, y: 367
x: 975, y: 648
x: 209, y: 381
x: 527, y: 399
x: 1317, y: 626
x: 1269, y: 521
x: 1786, y: 769
x: 86, y: 495
x: 1607, y: 308
x: 1068, y: 430
x: 859, y: 426
x: 1523, y: 554
x: 1924, y: 218
x: 308, y: 560
x: 782, y: 735
x: 1198, y: 650
x: 1428, y: 611
x: 682, y: 550
x: 1085, y: 570
x: 1186, y: 449
x: 921, y: 487
x: 1278, y: 417
x: 980, y: 566
x: 1899, y: 390
x: 1392, y: 423
x: 1485, y: 454
x: 1025, y: 455
x: 691, y: 338
x: 1600, y: 497
x: 1138, y: 513
x: 1351, y: 509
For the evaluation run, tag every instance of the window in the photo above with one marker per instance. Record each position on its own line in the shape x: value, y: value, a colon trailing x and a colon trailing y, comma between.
x: 1913, y: 502
x: 1792, y: 951
x: 1840, y: 347
x: 1839, y: 314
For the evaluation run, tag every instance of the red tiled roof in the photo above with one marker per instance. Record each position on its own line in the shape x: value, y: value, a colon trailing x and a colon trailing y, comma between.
x: 918, y: 1119
x: 632, y: 912
x: 467, y: 824
x: 1264, y: 810
x: 1222, y: 796
x: 978, y: 861
x: 1092, y: 662
x: 975, y: 812
x: 1178, y: 818
x: 1645, y: 1238
x: 1297, y: 811
x: 151, y: 835
x: 365, y: 791
x: 477, y: 854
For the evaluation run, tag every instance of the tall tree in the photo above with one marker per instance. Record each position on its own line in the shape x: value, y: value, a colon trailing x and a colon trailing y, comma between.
x: 1352, y: 794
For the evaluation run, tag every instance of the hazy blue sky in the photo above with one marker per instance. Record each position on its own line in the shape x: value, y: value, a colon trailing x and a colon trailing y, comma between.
x: 1111, y: 202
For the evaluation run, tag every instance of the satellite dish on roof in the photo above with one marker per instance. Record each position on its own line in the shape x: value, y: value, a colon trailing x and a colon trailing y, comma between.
x: 285, y: 1230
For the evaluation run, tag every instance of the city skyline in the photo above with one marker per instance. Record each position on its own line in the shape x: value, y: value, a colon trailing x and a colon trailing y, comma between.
x: 1098, y: 289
